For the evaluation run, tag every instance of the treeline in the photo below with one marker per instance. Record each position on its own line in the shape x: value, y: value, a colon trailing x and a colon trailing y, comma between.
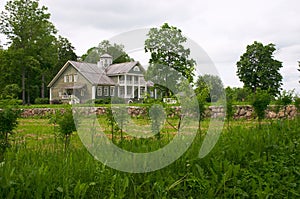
x: 34, y: 54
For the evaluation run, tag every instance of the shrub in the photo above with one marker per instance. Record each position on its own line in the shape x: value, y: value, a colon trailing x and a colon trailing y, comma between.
x: 260, y: 103
x: 67, y: 126
x: 41, y: 101
x: 10, y: 102
x: 55, y: 101
x: 285, y: 98
x: 8, y: 121
x: 297, y: 103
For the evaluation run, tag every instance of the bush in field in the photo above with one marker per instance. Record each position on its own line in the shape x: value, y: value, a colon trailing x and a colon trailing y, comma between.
x: 10, y: 91
x: 8, y: 121
x: 67, y: 126
x: 157, y: 115
x: 229, y: 108
x: 286, y: 97
x: 55, y: 101
x: 297, y: 103
x: 41, y: 101
x: 260, y: 103
x: 121, y: 118
x: 111, y: 122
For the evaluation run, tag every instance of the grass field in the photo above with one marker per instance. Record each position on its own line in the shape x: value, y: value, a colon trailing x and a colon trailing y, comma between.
x: 247, y: 162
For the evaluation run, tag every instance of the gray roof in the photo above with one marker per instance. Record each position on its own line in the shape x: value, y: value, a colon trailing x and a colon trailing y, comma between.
x: 120, y: 68
x: 95, y: 75
x: 92, y: 73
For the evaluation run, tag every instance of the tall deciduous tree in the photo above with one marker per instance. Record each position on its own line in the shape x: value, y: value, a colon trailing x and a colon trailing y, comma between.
x: 31, y: 36
x: 257, y: 68
x: 115, y: 50
x: 169, y: 60
x: 213, y: 84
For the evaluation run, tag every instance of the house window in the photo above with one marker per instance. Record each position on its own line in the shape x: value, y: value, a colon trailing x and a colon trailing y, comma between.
x: 136, y: 69
x: 129, y: 90
x: 122, y: 91
x: 112, y: 91
x: 82, y: 92
x: 75, y: 77
x: 70, y: 78
x: 121, y: 78
x: 129, y: 79
x: 66, y: 78
x: 105, y: 91
x: 136, y: 80
x: 99, y: 91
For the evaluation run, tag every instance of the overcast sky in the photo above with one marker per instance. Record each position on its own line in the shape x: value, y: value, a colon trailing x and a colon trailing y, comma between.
x: 222, y: 28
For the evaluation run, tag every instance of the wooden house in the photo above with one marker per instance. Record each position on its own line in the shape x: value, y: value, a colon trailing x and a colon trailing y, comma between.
x: 78, y: 82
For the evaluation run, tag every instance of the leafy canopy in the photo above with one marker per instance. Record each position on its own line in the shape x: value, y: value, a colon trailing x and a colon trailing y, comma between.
x: 257, y: 68
x: 169, y: 60
x: 213, y: 84
x: 105, y: 47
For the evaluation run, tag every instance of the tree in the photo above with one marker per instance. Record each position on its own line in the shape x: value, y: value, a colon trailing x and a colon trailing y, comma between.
x: 115, y: 50
x: 260, y: 103
x: 157, y: 115
x: 213, y: 84
x: 67, y: 125
x: 258, y: 69
x: 8, y: 121
x: 31, y: 36
x: 169, y: 60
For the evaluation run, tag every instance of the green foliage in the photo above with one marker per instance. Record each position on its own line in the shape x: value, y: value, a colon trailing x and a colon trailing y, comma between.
x: 41, y: 101
x: 169, y: 61
x: 285, y: 98
x: 258, y: 69
x: 247, y: 162
x: 157, y: 115
x: 8, y: 122
x: 229, y: 104
x: 213, y: 84
x: 115, y: 50
x: 110, y: 118
x: 10, y: 102
x: 239, y: 94
x: 34, y: 53
x: 11, y: 91
x: 121, y: 117
x: 202, y: 95
x: 114, y: 100
x: 260, y: 103
x: 67, y: 125
x: 297, y: 103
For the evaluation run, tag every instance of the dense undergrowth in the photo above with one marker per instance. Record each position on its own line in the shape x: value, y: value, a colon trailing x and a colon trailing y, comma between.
x: 247, y: 162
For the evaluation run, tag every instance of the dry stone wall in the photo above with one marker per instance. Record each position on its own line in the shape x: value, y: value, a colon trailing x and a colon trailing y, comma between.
x: 240, y: 112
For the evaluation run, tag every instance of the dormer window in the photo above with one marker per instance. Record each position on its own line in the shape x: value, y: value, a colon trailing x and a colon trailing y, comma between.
x: 136, y: 69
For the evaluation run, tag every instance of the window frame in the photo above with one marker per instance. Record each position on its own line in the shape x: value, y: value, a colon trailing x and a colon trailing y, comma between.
x: 99, y: 91
x: 106, y: 91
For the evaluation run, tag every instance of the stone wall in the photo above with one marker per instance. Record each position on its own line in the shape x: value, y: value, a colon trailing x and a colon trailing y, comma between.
x: 240, y: 112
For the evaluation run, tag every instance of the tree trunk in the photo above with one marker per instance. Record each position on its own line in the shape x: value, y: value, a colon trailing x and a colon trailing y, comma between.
x: 43, y: 87
x: 23, y: 86
x: 28, y: 96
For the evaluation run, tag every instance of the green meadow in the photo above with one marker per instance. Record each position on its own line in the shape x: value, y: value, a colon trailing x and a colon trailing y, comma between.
x: 248, y: 161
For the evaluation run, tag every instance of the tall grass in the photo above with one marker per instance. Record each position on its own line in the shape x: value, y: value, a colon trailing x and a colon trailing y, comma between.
x: 247, y: 162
